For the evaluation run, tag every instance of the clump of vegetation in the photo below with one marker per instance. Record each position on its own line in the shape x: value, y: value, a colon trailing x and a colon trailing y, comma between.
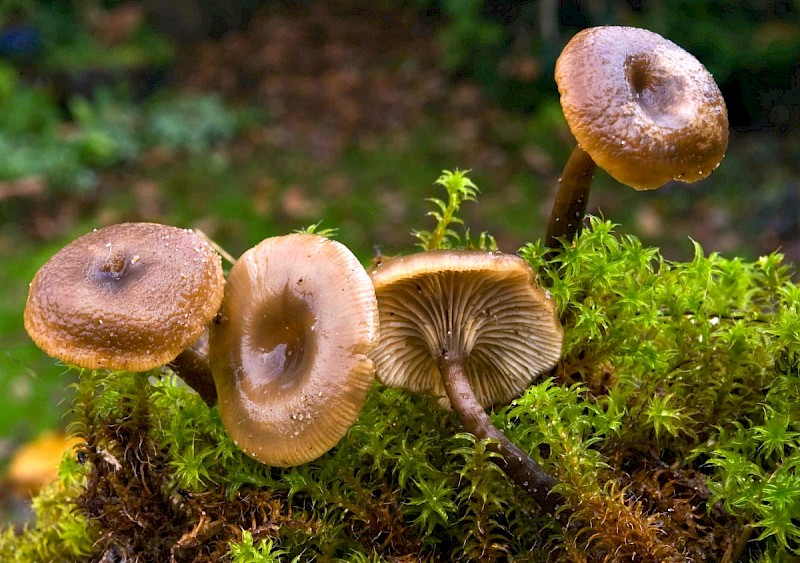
x: 66, y: 154
x: 195, y: 125
x: 694, y: 367
x: 671, y: 423
x: 459, y: 189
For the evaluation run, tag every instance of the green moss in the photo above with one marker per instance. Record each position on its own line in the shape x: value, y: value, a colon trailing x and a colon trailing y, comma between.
x: 671, y: 422
x: 248, y: 551
x: 459, y: 189
x: 61, y: 532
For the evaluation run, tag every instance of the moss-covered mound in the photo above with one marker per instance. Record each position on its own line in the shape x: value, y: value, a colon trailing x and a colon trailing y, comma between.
x: 672, y: 423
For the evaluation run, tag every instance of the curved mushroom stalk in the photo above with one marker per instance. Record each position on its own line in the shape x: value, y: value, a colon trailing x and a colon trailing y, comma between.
x: 641, y: 108
x: 473, y: 326
x: 524, y: 471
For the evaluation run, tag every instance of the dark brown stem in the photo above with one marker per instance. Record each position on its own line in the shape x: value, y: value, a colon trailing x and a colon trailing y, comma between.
x: 736, y: 548
x: 193, y: 367
x: 572, y: 196
x: 525, y: 472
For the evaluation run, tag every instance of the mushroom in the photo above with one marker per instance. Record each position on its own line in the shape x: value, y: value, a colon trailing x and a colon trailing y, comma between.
x: 289, y: 351
x: 130, y: 296
x: 641, y: 108
x: 193, y: 366
x: 474, y: 329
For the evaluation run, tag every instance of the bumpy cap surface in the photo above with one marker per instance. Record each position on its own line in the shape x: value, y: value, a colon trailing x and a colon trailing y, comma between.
x: 644, y: 109
x: 482, y: 306
x: 289, y: 353
x: 125, y: 297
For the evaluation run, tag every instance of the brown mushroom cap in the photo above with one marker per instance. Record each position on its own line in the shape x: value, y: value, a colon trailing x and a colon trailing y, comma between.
x: 644, y: 109
x: 126, y: 297
x: 483, y: 306
x: 289, y: 353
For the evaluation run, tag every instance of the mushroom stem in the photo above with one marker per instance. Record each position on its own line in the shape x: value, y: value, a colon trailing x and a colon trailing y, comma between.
x: 572, y: 196
x: 524, y: 471
x: 193, y: 367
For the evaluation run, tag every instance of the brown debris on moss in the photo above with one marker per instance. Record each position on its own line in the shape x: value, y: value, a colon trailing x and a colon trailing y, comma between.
x: 130, y: 500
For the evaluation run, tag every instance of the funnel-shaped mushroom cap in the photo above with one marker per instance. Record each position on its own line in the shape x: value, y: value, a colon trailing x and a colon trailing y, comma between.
x: 289, y: 353
x: 125, y: 297
x: 644, y: 109
x: 484, y: 307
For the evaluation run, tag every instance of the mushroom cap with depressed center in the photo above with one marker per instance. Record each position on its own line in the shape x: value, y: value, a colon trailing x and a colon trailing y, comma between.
x: 643, y: 108
x: 129, y: 296
x: 289, y: 352
x: 482, y: 306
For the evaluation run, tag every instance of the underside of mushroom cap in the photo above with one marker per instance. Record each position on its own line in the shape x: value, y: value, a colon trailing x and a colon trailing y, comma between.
x: 130, y: 296
x: 289, y: 353
x: 485, y: 307
x: 643, y: 108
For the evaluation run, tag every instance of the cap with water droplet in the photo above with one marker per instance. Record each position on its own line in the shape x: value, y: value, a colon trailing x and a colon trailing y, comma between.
x: 289, y: 354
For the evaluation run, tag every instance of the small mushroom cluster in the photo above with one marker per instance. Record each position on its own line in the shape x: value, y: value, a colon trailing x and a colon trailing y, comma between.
x: 290, y: 371
x: 289, y: 344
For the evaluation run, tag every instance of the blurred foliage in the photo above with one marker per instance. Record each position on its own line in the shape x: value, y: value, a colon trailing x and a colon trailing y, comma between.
x: 508, y: 47
x: 62, y: 39
x: 196, y: 125
x: 30, y: 139
x: 24, y: 110
x: 110, y: 130
x: 729, y: 36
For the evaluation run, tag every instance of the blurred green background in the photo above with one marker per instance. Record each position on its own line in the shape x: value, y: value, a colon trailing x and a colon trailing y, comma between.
x: 248, y: 119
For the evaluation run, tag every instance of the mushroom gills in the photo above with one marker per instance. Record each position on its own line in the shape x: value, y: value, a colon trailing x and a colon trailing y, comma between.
x: 473, y: 329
